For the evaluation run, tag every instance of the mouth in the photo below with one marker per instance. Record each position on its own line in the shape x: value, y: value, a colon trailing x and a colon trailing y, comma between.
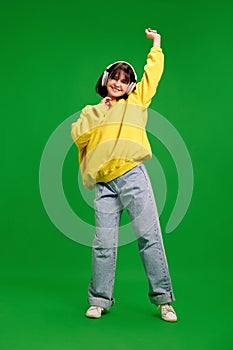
x: 115, y: 89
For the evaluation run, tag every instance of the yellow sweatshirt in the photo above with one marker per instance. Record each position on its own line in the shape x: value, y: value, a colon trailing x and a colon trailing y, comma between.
x: 113, y: 141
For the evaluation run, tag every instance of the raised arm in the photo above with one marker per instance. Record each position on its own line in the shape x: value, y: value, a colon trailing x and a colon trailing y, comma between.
x: 146, y: 88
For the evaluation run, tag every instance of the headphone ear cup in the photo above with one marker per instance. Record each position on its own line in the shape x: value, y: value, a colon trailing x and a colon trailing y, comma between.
x: 104, y: 78
x: 130, y: 88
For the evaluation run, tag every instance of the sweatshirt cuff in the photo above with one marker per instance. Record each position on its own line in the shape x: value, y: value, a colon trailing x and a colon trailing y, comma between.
x: 156, y: 49
x: 102, y: 107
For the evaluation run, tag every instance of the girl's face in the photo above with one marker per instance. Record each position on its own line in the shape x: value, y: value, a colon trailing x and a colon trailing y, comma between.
x: 117, y: 85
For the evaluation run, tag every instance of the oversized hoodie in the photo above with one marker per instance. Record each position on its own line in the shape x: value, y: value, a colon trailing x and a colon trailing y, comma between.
x: 113, y: 141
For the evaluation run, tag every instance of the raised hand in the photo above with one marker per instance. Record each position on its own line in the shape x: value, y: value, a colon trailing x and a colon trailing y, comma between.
x: 153, y: 35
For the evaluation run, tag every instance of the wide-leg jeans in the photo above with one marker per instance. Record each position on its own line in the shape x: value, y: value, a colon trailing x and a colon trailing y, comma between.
x: 132, y: 191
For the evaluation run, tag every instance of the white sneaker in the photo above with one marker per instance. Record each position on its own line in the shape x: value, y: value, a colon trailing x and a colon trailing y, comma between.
x: 167, y: 313
x: 94, y: 312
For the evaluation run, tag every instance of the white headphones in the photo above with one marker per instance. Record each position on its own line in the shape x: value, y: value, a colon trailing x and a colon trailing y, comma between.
x: 106, y: 75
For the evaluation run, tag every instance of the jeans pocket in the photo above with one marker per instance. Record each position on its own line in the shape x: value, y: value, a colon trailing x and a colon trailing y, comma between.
x: 143, y: 170
x: 99, y: 186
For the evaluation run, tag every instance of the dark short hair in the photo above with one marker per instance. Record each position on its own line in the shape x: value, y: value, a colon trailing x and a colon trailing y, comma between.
x: 115, y: 69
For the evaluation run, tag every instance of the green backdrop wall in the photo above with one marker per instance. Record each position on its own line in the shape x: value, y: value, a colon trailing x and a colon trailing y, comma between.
x: 52, y: 53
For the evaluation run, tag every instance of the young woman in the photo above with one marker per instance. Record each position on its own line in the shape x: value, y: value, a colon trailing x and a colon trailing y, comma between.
x: 113, y: 144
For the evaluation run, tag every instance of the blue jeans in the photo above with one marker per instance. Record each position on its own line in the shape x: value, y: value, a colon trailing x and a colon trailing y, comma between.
x: 132, y: 191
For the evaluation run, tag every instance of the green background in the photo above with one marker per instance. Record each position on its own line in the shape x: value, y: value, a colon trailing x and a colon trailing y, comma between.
x: 52, y: 53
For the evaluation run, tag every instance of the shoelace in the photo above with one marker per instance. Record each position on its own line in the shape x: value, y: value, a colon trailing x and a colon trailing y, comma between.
x: 167, y: 308
x: 98, y: 308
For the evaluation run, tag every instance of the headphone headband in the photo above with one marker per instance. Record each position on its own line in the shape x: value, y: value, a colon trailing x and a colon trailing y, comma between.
x: 106, y: 76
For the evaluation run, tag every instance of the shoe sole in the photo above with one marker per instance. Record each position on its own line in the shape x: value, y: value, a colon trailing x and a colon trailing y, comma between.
x: 168, y: 320
x: 92, y: 316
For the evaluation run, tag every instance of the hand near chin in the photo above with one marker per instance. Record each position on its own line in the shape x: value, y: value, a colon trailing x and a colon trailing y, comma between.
x: 107, y: 102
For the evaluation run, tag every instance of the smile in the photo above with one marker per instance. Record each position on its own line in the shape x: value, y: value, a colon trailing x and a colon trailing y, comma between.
x: 115, y: 89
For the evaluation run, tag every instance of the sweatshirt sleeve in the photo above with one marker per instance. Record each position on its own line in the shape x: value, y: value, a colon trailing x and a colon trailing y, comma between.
x: 146, y: 88
x: 90, y: 117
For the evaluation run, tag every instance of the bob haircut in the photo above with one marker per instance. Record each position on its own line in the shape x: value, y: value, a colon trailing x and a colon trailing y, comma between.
x: 115, y: 70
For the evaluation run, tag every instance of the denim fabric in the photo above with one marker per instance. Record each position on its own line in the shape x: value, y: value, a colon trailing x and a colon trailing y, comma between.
x: 132, y: 191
